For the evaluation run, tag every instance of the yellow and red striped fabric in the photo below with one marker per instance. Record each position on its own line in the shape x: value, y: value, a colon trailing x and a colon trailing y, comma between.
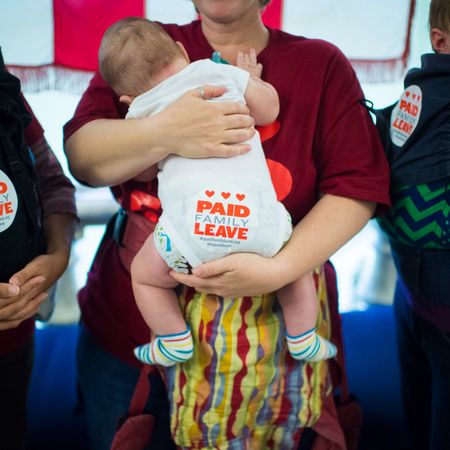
x: 241, y: 389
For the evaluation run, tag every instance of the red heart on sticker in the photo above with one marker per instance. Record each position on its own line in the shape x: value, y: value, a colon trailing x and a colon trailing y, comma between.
x: 407, y: 93
x: 240, y: 197
x: 225, y: 194
x: 209, y: 193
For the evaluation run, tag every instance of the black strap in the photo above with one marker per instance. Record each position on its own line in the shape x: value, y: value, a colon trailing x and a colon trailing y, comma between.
x: 120, y: 223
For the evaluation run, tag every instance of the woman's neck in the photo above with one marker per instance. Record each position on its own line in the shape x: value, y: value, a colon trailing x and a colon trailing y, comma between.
x: 239, y: 36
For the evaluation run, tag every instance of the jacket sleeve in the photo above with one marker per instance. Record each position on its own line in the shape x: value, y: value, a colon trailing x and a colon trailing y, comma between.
x: 57, y: 191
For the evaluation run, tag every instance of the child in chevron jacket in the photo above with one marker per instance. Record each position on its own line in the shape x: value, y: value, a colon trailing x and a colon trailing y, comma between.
x: 418, y: 226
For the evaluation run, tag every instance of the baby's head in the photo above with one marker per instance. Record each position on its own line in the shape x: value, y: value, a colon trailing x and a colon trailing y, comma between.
x: 136, y: 54
x: 439, y: 21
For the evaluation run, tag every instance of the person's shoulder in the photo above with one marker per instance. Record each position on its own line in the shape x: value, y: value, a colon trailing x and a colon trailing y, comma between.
x: 323, y: 48
x: 286, y: 39
x: 306, y: 47
x: 434, y: 71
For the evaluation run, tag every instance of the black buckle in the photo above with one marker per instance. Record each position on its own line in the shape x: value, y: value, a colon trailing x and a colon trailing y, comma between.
x: 15, y: 167
x: 120, y: 225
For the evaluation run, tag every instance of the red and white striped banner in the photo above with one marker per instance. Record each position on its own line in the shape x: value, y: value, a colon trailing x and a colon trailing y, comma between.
x: 53, y: 43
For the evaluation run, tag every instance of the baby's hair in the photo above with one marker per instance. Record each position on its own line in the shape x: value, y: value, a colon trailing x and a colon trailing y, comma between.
x: 439, y: 16
x: 132, y: 52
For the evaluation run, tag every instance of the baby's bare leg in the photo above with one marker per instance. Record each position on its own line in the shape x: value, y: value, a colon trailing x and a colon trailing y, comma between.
x: 153, y: 289
x: 300, y: 307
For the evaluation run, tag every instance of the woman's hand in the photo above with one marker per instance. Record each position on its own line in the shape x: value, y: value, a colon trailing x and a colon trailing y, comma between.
x: 312, y: 242
x: 18, y: 305
x: 107, y: 152
x: 199, y: 129
x: 237, y: 275
x: 27, y: 289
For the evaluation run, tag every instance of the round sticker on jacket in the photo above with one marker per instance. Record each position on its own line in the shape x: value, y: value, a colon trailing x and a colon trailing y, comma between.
x: 8, y: 202
x: 406, y: 114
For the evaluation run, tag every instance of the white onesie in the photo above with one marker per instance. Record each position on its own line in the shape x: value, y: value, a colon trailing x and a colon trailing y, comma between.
x: 215, y: 206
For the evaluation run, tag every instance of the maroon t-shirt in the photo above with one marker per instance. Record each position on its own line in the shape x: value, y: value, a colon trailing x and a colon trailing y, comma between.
x: 324, y: 141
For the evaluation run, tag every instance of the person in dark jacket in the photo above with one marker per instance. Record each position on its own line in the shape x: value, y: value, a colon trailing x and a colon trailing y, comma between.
x: 419, y: 233
x: 22, y: 292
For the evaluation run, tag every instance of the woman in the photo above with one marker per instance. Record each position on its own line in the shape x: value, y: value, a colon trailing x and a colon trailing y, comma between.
x: 21, y: 297
x: 328, y: 168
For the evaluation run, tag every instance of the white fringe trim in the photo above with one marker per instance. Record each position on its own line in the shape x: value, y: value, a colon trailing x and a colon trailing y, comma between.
x: 379, y: 71
x: 41, y: 78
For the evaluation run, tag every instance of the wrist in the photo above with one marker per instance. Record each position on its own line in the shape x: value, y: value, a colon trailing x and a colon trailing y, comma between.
x: 60, y: 251
x: 59, y: 261
x: 286, y: 268
x: 157, y: 132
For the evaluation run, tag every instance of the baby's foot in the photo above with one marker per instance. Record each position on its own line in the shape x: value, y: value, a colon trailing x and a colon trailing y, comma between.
x: 310, y: 347
x: 167, y: 350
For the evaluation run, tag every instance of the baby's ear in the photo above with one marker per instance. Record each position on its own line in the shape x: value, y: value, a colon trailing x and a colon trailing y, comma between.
x: 185, y: 53
x: 127, y: 99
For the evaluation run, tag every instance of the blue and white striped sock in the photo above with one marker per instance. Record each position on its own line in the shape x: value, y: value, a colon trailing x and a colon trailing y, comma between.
x: 167, y: 350
x: 310, y: 347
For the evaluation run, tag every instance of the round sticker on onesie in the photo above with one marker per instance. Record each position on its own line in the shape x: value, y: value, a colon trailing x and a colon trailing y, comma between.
x: 405, y: 115
x: 222, y: 218
x: 8, y: 202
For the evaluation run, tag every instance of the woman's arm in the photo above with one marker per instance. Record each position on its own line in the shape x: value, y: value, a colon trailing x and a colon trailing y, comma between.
x: 21, y: 297
x: 107, y: 152
x: 56, y: 190
x: 58, y: 230
x: 326, y: 228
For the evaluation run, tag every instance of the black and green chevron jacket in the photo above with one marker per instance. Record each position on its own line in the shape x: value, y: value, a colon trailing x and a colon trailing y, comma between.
x: 417, y: 144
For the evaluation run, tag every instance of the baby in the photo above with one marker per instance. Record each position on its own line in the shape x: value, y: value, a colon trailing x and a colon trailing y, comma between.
x: 211, y: 207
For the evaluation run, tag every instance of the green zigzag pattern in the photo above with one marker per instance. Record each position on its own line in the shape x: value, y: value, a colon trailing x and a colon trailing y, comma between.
x: 418, y: 215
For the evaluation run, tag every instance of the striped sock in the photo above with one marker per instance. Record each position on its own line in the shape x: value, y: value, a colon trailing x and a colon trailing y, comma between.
x: 167, y: 349
x: 310, y: 346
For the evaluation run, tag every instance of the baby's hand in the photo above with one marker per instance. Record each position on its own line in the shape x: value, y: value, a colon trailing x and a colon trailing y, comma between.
x: 248, y: 62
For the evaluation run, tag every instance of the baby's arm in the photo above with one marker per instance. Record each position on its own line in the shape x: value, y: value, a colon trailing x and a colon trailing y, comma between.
x: 261, y: 97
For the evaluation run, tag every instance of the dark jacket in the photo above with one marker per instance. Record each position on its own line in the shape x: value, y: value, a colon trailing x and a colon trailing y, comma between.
x: 418, y: 143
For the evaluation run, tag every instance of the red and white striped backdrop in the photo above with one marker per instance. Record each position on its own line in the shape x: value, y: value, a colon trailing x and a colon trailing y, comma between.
x: 53, y: 43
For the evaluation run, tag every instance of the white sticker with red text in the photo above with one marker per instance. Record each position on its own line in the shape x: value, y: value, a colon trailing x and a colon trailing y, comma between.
x: 406, y: 114
x: 8, y: 202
